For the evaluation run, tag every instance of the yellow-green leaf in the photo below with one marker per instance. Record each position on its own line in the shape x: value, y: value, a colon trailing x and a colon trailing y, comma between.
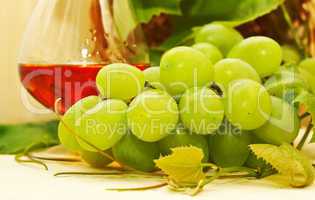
x: 287, y: 161
x: 183, y: 166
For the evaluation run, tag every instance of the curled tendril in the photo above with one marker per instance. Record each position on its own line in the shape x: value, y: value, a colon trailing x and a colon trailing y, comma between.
x: 30, y: 159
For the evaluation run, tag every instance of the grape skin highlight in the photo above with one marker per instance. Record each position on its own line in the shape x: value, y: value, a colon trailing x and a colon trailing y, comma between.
x: 282, y: 127
x: 152, y: 76
x: 152, y: 115
x: 231, y: 69
x: 120, y: 81
x: 104, y: 125
x: 183, y: 68
x: 71, y: 119
x: 209, y: 50
x: 201, y: 110
x: 248, y: 104
x: 263, y: 53
x: 219, y: 35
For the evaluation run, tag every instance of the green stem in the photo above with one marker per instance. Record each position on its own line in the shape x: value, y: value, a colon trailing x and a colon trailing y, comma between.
x: 111, y: 172
x: 18, y: 158
x: 56, y: 159
x: 305, y: 136
x: 238, y: 169
x: 25, y: 153
x: 139, y: 188
x: 213, y: 166
x: 304, y: 115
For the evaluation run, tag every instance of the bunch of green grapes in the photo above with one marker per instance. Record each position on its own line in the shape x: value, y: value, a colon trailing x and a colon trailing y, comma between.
x: 216, y: 95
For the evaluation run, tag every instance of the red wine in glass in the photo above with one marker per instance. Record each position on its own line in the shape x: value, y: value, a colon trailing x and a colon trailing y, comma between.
x: 69, y: 82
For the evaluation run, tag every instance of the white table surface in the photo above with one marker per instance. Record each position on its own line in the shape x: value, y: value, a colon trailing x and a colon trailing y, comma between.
x: 31, y: 182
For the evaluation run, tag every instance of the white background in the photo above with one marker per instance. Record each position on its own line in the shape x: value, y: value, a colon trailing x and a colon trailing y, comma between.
x: 33, y: 183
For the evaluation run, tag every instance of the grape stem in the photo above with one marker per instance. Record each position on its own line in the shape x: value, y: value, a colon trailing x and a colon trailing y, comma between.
x: 112, y: 171
x: 304, y: 115
x: 55, y: 159
x: 25, y: 153
x: 160, y: 185
x: 305, y: 136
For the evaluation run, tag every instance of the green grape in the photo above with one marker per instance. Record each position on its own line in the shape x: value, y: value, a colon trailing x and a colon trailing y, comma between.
x: 248, y: 104
x: 136, y: 154
x: 307, y: 72
x: 183, y: 68
x: 229, y: 146
x: 290, y: 54
x: 283, y: 125
x: 262, y: 53
x: 120, y: 81
x: 219, y: 35
x: 211, y: 51
x: 104, y: 125
x: 230, y: 69
x: 282, y: 82
x: 95, y: 159
x: 152, y: 115
x: 201, y: 110
x: 182, y: 138
x: 152, y: 75
x: 71, y: 119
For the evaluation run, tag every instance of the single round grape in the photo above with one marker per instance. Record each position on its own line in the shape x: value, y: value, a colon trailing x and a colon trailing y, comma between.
x: 136, y: 154
x: 201, y: 110
x: 95, y: 159
x: 103, y: 125
x: 209, y: 50
x: 230, y: 69
x: 282, y: 82
x: 71, y: 119
x: 290, y: 54
x: 152, y: 75
x: 152, y: 115
x: 219, y: 35
x: 307, y: 71
x: 183, y: 68
x: 248, y: 104
x: 283, y: 125
x: 120, y: 81
x: 262, y: 53
x: 229, y: 146
x: 182, y: 138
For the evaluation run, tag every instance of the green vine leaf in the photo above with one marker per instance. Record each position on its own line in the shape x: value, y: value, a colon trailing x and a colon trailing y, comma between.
x: 287, y: 161
x: 15, y: 139
x: 183, y: 166
x: 230, y: 11
x: 145, y: 10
